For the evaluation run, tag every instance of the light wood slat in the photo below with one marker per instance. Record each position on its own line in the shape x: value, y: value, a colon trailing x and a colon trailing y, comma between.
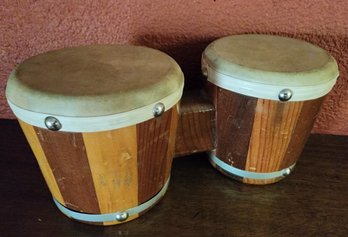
x: 113, y: 160
x: 171, y: 144
x: 46, y: 170
x: 274, y: 123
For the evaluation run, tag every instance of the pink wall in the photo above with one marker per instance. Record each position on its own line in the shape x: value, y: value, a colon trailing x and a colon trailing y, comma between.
x: 181, y: 28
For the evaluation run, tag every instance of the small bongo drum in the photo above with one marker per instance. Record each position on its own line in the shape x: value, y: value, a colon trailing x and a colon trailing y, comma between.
x: 101, y: 121
x: 267, y: 91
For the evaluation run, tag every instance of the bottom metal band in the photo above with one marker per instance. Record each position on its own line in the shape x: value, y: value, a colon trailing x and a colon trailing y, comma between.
x: 247, y: 174
x: 116, y: 216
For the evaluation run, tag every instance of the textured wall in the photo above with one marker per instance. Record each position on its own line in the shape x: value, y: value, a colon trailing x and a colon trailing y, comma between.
x: 181, y: 28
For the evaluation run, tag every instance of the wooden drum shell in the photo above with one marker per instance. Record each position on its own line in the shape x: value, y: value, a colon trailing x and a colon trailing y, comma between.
x: 260, y: 135
x: 107, y: 171
x: 267, y: 92
x: 101, y: 121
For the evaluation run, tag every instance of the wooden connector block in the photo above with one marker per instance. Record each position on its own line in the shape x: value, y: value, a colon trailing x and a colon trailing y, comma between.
x: 196, y: 127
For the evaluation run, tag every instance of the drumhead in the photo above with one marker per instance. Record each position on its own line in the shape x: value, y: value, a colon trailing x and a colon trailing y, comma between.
x: 94, y: 81
x: 262, y: 65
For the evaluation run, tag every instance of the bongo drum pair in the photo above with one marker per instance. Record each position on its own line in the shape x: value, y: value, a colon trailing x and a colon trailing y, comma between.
x: 101, y: 120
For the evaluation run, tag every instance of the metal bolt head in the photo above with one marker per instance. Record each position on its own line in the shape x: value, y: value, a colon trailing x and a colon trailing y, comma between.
x: 287, y: 172
x: 52, y: 123
x: 285, y: 95
x: 158, y: 110
x: 121, y: 216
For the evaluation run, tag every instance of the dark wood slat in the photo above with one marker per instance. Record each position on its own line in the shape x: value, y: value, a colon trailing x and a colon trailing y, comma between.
x: 67, y: 157
x: 302, y: 131
x: 200, y: 201
x: 235, y: 119
x: 152, y: 141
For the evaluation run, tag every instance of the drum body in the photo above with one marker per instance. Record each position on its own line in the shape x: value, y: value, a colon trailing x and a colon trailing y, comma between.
x: 101, y: 168
x: 266, y: 102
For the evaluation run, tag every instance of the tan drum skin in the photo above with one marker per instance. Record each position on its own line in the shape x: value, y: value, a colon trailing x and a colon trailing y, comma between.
x: 267, y: 91
x: 100, y: 163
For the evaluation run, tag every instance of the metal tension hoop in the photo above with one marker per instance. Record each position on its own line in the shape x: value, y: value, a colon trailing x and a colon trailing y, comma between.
x: 116, y: 216
x: 247, y: 174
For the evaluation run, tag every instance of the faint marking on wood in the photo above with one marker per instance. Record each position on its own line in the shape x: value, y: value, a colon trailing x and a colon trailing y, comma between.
x: 112, y: 156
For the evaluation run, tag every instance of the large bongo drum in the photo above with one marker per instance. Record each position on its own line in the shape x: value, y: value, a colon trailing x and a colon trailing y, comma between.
x: 101, y: 121
x: 267, y: 91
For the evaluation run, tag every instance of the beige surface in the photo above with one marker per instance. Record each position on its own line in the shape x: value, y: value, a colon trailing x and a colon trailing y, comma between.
x: 93, y: 80
x: 270, y: 59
